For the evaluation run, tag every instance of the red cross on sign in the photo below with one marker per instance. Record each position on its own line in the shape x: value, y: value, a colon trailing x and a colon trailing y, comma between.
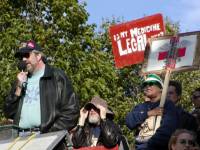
x: 171, y: 61
x: 163, y: 55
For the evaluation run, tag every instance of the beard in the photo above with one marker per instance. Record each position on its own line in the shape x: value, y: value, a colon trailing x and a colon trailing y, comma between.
x: 94, y: 119
x: 29, y: 68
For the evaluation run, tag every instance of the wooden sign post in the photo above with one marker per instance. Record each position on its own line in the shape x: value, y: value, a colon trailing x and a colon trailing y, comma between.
x: 170, y: 65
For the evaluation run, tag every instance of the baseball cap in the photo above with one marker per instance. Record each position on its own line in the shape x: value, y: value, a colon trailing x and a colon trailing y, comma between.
x: 153, y: 78
x: 98, y: 101
x: 27, y: 47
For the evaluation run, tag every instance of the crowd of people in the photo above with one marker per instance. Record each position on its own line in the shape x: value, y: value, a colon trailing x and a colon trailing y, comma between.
x: 42, y: 100
x: 176, y: 122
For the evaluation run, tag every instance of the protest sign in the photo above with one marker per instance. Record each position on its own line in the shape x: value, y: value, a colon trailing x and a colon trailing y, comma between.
x: 187, y: 53
x: 129, y: 39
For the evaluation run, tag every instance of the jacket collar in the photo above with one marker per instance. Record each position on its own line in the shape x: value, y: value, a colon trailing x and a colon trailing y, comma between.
x: 48, y: 72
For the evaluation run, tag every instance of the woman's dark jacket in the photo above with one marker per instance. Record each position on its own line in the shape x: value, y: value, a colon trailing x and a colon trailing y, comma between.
x: 59, y: 105
x: 110, y: 135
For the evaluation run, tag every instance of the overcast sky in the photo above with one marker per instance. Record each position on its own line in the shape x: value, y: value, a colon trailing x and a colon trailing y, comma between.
x: 186, y: 12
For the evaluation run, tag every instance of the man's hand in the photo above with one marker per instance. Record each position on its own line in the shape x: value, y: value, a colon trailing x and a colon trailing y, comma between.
x: 158, y: 111
x: 21, y: 78
x: 102, y: 112
x: 83, y: 116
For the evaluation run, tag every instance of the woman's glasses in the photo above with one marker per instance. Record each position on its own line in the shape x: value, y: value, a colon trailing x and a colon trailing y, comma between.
x: 189, y: 142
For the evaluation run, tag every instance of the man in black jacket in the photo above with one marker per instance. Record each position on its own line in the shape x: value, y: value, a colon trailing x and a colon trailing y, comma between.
x: 185, y: 119
x: 42, y: 96
x: 95, y: 126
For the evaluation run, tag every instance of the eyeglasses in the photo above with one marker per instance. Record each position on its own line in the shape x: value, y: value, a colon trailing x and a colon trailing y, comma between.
x: 189, y: 142
x: 151, y: 84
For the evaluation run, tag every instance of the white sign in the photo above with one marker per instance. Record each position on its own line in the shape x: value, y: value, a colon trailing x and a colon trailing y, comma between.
x: 187, y: 55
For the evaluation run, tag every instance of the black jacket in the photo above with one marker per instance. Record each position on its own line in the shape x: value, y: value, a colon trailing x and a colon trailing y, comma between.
x: 59, y: 105
x: 110, y: 135
x: 186, y: 120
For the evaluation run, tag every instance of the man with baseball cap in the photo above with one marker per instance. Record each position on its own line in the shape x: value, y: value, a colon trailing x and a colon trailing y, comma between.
x: 95, y: 126
x: 141, y: 117
x: 42, y: 97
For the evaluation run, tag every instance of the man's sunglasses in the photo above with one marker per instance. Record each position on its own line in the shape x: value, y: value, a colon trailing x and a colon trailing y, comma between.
x: 25, y: 55
x: 151, y: 84
x: 189, y: 142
